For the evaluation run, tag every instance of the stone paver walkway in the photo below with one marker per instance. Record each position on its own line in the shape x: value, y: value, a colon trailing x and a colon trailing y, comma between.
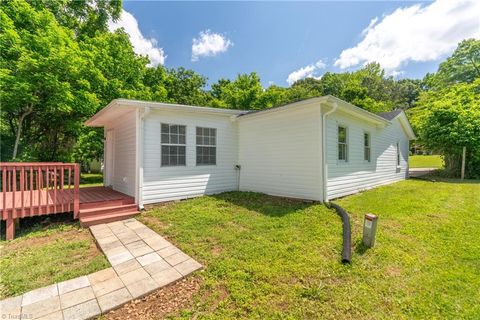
x: 142, y: 261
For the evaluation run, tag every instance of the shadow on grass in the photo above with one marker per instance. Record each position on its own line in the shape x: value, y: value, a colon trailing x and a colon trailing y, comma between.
x: 360, y: 248
x: 90, y: 178
x: 438, y: 178
x: 39, y: 223
x: 270, y: 206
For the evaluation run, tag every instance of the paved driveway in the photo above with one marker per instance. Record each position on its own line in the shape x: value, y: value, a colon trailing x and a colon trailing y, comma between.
x: 417, y: 172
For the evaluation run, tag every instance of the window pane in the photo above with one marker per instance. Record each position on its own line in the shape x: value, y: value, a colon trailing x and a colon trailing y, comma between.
x: 181, y: 160
x: 165, y: 138
x: 342, y: 134
x: 206, y: 155
x: 366, y: 138
x: 165, y: 156
x: 342, y: 152
x: 173, y: 155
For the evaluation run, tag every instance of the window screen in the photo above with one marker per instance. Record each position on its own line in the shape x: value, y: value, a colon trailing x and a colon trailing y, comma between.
x: 206, y: 146
x: 173, y: 140
x: 366, y: 147
x: 342, y: 144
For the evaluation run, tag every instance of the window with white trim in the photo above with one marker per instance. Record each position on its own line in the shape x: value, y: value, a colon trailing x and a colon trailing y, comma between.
x: 398, y: 154
x: 173, y: 141
x: 206, y: 146
x: 342, y: 144
x: 366, y: 147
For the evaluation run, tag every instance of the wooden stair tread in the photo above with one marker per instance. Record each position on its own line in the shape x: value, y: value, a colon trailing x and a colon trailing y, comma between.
x: 107, y: 217
x: 117, y: 207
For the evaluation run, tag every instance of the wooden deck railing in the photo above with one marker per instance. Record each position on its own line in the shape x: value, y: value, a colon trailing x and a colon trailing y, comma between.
x: 38, y: 188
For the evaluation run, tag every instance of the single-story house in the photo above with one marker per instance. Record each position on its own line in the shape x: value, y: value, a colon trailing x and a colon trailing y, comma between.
x: 316, y: 149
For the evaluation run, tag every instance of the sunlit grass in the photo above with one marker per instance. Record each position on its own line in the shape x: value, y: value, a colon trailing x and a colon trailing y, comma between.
x: 44, y: 254
x: 267, y: 257
x: 91, y: 180
x: 425, y: 161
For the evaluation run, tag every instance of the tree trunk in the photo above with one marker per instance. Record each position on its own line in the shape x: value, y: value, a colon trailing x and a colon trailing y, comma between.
x: 19, y: 131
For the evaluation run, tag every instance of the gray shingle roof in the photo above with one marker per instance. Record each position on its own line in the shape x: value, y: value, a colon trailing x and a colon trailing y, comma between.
x: 390, y: 115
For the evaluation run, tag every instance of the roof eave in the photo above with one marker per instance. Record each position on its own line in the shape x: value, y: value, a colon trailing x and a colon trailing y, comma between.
x: 357, y: 111
x: 406, y: 125
x: 95, y: 120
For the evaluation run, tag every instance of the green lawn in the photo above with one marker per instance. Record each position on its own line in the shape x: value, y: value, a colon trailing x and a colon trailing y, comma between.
x: 43, y: 254
x: 91, y: 180
x: 427, y: 161
x: 267, y: 257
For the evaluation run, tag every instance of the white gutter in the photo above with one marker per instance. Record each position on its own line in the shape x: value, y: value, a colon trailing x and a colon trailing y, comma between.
x: 324, y: 151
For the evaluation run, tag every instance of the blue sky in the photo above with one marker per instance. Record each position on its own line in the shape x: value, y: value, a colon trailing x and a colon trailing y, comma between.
x: 282, y: 39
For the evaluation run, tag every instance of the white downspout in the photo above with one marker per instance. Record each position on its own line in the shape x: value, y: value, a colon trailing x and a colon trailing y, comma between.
x: 140, y: 142
x: 324, y: 152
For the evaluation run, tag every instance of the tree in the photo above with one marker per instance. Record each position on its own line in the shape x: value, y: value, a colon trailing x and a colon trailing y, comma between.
x: 43, y: 81
x: 185, y: 86
x: 448, y: 120
x: 405, y: 92
x: 368, y: 88
x: 245, y: 92
x: 462, y: 67
x: 84, y: 17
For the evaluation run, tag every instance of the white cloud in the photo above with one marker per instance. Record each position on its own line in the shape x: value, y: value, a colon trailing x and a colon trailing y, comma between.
x: 416, y: 33
x: 209, y: 44
x: 141, y: 45
x: 309, y: 71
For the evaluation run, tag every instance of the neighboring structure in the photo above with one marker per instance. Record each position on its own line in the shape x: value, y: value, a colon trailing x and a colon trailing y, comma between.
x: 317, y: 149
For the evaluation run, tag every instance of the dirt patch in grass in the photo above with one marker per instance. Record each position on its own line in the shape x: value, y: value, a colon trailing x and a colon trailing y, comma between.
x: 153, y: 222
x: 166, y: 302
x: 73, y: 234
x: 394, y: 271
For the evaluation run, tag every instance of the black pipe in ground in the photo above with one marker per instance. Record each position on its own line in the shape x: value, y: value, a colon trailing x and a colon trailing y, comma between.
x: 347, y: 233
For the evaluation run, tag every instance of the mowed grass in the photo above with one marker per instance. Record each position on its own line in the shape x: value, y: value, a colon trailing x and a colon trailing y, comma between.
x: 91, y: 180
x: 425, y: 161
x: 267, y: 257
x: 44, y: 254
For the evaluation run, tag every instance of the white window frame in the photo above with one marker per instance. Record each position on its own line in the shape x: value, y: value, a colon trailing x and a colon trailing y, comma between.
x: 205, y: 145
x: 343, y: 143
x: 178, y: 144
x: 369, y: 147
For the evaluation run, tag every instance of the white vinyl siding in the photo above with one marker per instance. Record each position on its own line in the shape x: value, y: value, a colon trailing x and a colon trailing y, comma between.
x: 359, y: 174
x: 124, y: 149
x: 279, y: 153
x: 180, y: 182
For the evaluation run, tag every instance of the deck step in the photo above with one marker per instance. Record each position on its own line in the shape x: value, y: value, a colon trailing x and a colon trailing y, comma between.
x: 106, y: 218
x: 106, y: 203
x: 106, y: 210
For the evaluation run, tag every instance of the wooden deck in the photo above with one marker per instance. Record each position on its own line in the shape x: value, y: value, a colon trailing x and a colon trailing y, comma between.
x: 58, y: 201
x: 41, y: 188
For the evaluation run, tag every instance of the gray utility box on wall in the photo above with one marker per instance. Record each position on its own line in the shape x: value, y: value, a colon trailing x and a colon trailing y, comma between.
x: 369, y: 229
